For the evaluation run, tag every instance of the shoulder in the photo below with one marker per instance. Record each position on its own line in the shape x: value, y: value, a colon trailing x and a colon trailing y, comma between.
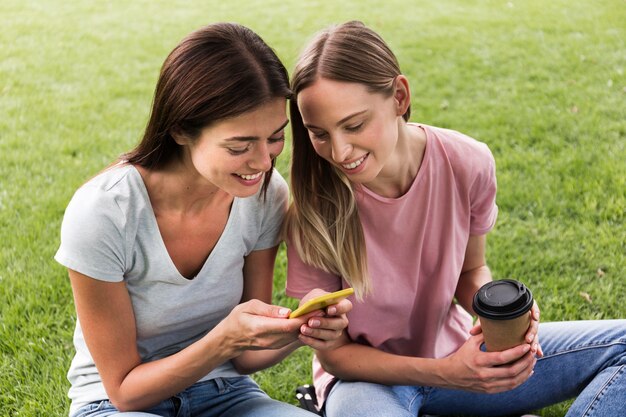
x: 106, y: 196
x: 459, y: 145
x: 99, y: 224
x: 111, y: 183
x: 466, y: 156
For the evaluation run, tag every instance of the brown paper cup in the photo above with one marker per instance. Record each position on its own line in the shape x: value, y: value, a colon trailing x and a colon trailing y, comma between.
x: 504, y: 334
x: 504, y: 309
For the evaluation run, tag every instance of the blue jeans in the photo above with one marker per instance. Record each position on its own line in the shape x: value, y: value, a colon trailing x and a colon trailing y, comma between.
x: 583, y: 359
x: 219, y: 397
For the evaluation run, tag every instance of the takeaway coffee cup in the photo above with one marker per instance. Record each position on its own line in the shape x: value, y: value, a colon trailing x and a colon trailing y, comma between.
x: 504, y: 310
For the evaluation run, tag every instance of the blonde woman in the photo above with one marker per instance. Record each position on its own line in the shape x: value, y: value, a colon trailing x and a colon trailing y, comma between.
x: 400, y: 211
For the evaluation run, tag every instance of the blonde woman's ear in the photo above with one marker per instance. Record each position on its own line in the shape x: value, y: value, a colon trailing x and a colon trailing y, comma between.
x: 402, y: 94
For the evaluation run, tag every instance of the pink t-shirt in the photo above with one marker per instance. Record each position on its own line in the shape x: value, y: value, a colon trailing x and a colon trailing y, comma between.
x: 415, y: 250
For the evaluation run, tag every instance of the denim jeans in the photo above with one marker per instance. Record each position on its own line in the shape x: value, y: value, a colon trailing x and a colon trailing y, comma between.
x: 220, y: 397
x: 583, y: 359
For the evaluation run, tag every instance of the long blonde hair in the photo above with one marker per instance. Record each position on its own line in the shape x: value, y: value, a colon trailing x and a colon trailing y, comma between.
x: 323, y: 220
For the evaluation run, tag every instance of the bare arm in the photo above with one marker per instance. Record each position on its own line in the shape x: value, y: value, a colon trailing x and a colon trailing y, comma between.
x: 474, y: 274
x: 469, y: 368
x: 108, y: 323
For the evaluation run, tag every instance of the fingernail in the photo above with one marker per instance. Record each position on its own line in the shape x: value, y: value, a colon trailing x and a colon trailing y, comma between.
x: 305, y: 330
x: 314, y: 323
x: 283, y: 312
x: 332, y: 311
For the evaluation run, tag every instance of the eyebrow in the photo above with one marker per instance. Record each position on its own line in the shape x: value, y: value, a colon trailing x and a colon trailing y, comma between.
x: 254, y: 138
x: 345, y: 119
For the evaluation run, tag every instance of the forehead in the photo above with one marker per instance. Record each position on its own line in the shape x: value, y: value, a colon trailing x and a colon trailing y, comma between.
x: 334, y: 100
x: 260, y: 122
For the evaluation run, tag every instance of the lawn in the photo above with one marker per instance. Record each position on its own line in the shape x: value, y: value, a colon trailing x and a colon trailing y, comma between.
x: 541, y: 82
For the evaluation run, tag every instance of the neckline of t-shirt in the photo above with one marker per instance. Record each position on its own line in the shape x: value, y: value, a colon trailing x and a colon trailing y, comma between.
x: 218, y: 244
x: 418, y: 177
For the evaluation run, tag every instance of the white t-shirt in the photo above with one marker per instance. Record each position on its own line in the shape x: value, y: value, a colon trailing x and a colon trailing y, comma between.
x: 110, y: 233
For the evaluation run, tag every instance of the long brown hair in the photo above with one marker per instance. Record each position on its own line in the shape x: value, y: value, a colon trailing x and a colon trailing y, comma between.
x: 323, y: 220
x: 216, y: 72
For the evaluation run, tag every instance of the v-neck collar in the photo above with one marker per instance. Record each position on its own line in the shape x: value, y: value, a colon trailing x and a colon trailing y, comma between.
x: 155, y: 225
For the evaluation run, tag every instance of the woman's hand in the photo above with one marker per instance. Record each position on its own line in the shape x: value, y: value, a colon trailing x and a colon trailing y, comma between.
x: 532, y: 337
x: 324, y: 329
x: 255, y: 325
x: 471, y: 369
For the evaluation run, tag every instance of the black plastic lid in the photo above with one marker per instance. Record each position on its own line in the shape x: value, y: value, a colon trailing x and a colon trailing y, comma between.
x: 502, y: 300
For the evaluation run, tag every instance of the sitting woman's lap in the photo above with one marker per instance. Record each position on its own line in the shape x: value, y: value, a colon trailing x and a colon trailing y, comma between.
x: 583, y: 359
x: 219, y: 397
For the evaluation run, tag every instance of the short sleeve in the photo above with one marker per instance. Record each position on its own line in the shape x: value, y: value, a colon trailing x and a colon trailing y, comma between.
x: 302, y: 278
x: 483, y: 208
x: 92, y: 235
x: 275, y: 208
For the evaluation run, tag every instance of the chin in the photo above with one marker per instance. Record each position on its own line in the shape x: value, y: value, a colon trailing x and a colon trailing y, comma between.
x: 363, y: 177
x: 245, y: 192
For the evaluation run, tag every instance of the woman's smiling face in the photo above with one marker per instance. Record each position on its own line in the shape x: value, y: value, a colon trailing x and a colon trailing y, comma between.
x: 234, y: 154
x: 350, y: 127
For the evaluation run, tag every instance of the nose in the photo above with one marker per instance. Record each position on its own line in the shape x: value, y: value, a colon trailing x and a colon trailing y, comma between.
x: 261, y: 158
x: 341, y: 149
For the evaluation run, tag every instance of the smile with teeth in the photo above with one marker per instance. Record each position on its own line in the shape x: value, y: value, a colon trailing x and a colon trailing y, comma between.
x: 356, y: 163
x: 250, y: 177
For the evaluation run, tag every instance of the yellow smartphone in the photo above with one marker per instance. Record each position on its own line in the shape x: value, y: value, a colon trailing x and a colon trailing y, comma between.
x: 320, y: 302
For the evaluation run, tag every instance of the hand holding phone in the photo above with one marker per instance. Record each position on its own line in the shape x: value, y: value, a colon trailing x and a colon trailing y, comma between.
x: 320, y: 302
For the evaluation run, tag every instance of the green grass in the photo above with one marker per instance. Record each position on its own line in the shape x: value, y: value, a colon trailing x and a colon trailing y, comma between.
x: 542, y: 83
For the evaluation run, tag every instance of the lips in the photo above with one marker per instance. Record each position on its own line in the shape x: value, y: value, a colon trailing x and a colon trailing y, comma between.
x: 250, y: 177
x: 356, y: 163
